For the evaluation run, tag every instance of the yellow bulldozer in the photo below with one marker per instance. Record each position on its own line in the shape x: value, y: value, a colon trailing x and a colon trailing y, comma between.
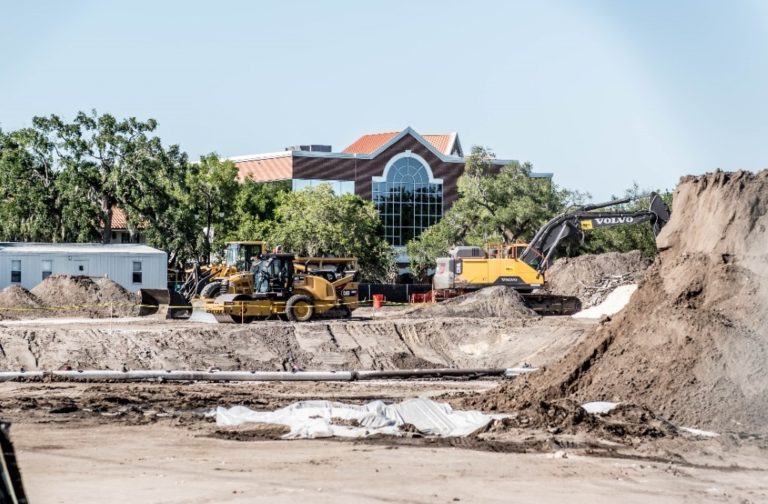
x: 281, y: 285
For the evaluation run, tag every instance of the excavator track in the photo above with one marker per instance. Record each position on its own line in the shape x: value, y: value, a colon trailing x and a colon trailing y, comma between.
x: 552, y: 304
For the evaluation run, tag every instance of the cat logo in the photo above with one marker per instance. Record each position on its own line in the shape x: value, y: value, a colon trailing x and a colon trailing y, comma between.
x: 586, y: 225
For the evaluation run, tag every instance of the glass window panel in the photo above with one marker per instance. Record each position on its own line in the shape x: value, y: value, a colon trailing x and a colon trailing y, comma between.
x: 348, y: 187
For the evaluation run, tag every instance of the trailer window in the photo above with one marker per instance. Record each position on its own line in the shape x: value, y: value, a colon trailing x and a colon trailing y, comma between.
x: 136, y: 271
x: 16, y: 270
x: 47, y: 267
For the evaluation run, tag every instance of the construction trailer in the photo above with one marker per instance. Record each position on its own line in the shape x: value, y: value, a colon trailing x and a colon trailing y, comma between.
x: 132, y: 266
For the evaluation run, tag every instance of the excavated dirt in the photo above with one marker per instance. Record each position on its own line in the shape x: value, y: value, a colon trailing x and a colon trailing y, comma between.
x: 692, y: 344
x: 16, y: 302
x: 274, y: 345
x: 591, y: 277
x: 68, y: 296
x: 498, y: 301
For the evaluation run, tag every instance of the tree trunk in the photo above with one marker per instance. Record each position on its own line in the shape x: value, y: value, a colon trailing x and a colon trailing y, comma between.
x: 106, y: 233
x: 208, y: 235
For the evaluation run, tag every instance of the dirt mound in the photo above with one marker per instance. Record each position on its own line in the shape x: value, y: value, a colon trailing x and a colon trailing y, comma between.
x: 591, y: 277
x: 692, y: 344
x: 497, y: 301
x: 16, y: 302
x: 626, y: 423
x: 69, y: 296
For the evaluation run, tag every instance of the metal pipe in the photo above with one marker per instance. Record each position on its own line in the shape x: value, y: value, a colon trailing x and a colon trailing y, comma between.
x: 215, y: 376
x: 427, y: 373
x: 203, y: 375
x: 15, y: 375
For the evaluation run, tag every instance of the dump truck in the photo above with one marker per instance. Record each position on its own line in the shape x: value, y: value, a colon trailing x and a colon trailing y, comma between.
x: 522, y: 266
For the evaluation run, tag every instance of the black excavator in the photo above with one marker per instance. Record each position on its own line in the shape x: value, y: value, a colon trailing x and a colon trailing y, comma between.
x: 523, y: 265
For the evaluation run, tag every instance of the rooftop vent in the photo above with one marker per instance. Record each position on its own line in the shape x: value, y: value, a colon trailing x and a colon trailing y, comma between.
x: 310, y: 148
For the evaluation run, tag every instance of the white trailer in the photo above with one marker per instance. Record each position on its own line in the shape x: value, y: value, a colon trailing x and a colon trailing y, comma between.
x: 132, y: 266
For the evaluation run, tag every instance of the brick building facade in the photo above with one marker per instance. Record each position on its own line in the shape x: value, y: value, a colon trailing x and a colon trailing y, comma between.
x: 410, y: 178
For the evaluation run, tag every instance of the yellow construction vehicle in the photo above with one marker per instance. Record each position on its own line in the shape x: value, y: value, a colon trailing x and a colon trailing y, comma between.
x: 277, y: 286
x: 523, y: 266
x: 200, y: 280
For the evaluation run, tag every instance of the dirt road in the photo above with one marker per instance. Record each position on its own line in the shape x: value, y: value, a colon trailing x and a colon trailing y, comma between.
x: 159, y: 463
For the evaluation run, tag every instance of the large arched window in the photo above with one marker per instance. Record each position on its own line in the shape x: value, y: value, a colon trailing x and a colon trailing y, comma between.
x: 408, y: 198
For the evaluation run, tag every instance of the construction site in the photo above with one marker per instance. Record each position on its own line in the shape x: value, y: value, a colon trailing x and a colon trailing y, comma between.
x: 654, y: 387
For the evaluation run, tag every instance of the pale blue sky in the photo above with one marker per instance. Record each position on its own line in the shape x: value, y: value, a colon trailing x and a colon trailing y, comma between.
x: 602, y: 93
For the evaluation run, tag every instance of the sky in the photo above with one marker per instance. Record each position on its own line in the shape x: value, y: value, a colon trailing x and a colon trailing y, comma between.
x: 601, y: 93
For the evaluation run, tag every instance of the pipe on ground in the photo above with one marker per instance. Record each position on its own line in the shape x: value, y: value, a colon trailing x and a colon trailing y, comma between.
x: 215, y: 376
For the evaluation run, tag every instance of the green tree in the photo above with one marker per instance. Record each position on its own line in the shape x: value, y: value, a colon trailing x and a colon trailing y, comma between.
x: 315, y: 222
x: 254, y: 209
x: 494, y: 205
x: 104, y: 163
x: 29, y: 206
x: 213, y: 187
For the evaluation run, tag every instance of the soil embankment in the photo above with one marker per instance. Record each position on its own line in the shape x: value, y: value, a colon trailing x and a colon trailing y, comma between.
x: 68, y: 296
x: 591, y: 277
x: 335, y: 345
x: 692, y: 344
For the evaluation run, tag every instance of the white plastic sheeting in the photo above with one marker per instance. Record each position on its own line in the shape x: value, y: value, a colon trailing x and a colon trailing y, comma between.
x: 317, y: 419
x: 614, y: 302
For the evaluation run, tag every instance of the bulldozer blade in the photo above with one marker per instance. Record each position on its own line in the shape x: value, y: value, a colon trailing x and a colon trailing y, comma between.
x: 164, y: 302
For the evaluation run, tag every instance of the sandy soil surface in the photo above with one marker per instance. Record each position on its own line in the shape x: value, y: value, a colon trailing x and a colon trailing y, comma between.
x: 150, y: 442
x: 162, y: 464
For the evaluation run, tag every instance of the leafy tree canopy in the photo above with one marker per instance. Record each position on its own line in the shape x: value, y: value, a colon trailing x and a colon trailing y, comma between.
x: 316, y: 222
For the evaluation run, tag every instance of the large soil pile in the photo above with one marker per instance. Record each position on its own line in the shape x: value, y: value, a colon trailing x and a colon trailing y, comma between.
x: 497, y: 301
x: 68, y: 296
x: 591, y: 277
x: 692, y: 344
x: 17, y: 302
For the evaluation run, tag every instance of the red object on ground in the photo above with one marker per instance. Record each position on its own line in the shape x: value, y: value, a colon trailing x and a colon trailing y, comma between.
x: 378, y: 301
x: 425, y: 297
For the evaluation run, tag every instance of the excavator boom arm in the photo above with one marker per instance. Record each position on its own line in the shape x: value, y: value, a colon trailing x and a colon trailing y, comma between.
x: 576, y: 222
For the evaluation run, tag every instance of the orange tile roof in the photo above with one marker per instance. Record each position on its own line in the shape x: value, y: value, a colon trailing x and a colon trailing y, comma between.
x: 274, y: 168
x: 440, y: 142
x: 119, y: 220
x: 368, y: 144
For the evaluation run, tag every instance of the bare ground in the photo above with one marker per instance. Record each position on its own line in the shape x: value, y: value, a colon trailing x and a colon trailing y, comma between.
x: 150, y: 442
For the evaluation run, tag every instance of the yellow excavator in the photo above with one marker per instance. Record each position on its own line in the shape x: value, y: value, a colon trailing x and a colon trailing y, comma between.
x: 523, y: 266
x: 281, y: 285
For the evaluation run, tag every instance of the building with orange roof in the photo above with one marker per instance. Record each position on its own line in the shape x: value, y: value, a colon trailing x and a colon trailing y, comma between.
x: 122, y: 232
x: 411, y: 178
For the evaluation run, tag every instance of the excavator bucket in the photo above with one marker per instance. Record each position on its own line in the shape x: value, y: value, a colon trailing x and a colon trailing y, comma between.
x: 165, y: 303
x: 661, y: 211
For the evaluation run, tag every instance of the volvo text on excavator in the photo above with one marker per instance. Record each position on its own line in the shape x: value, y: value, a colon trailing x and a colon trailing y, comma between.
x: 523, y: 266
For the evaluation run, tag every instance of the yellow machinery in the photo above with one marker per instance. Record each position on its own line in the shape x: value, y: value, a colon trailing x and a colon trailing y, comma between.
x: 522, y: 266
x: 238, y: 257
x: 200, y: 280
x: 281, y: 285
x: 470, y: 268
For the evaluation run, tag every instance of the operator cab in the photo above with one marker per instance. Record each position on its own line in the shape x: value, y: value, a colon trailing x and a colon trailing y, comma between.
x: 240, y: 255
x: 273, y: 276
